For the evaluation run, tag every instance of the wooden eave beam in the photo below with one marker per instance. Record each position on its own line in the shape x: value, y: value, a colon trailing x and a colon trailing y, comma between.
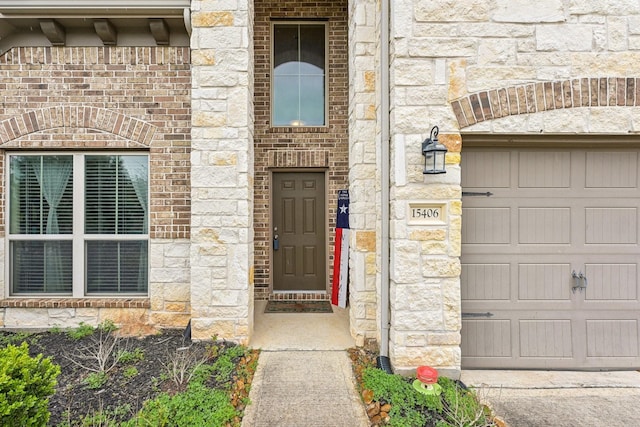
x: 160, y: 31
x: 53, y: 31
x: 106, y: 31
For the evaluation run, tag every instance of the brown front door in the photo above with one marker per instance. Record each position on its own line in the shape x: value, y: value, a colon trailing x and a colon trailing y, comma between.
x: 299, y: 252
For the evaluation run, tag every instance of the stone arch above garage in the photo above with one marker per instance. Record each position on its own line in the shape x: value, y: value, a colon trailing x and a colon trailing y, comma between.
x: 546, y: 96
x: 78, y: 117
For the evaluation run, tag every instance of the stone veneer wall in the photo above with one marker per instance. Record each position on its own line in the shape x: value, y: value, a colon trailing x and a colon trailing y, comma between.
x: 448, y: 56
x: 364, y: 168
x: 222, y: 170
x: 54, y: 98
x: 298, y: 147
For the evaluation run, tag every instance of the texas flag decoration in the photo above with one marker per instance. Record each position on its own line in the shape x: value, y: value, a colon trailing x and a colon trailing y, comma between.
x: 341, y: 252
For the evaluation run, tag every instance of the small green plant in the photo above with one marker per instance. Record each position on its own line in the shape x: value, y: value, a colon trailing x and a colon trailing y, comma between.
x: 55, y: 329
x: 461, y: 406
x: 226, y: 362
x: 25, y: 386
x: 81, y: 331
x: 197, y: 406
x: 408, y: 407
x: 107, y: 326
x: 130, y: 372
x: 99, y: 418
x: 96, y: 380
x: 15, y: 338
x: 100, y: 352
x: 126, y: 356
x: 183, y: 364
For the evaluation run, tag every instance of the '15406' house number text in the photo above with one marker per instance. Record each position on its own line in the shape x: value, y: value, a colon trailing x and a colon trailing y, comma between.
x: 426, y: 213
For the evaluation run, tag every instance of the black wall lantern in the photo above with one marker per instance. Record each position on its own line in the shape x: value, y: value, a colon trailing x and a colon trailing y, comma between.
x: 434, y: 154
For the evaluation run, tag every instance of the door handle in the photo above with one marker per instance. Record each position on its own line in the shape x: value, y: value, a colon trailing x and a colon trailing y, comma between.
x: 276, y: 242
x: 579, y: 281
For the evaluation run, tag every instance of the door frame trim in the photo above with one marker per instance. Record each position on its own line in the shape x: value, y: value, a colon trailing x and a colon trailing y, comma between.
x: 327, y: 290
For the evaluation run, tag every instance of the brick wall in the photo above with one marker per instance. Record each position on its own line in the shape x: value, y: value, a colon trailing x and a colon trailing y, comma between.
x: 139, y: 98
x: 63, y: 98
x: 281, y: 148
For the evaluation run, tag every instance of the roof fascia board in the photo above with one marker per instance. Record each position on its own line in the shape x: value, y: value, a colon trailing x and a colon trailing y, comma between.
x: 59, y: 8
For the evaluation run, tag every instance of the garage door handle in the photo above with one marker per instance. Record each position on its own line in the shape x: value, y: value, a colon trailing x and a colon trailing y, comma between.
x: 476, y: 193
x: 487, y: 314
x: 579, y: 281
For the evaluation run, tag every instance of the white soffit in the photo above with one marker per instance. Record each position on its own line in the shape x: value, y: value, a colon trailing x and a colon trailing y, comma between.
x: 93, y: 8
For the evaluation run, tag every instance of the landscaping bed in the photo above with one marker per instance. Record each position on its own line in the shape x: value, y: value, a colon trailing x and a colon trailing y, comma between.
x: 392, y: 400
x: 105, y: 379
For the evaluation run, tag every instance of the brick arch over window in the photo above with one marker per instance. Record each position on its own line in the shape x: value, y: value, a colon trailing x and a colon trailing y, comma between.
x: 537, y: 97
x: 101, y: 119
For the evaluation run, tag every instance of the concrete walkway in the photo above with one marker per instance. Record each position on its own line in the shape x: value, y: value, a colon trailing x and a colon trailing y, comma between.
x: 304, y: 376
x: 304, y: 389
x: 560, y: 398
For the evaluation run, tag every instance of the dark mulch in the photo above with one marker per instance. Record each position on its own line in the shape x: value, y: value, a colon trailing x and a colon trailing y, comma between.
x: 126, y: 388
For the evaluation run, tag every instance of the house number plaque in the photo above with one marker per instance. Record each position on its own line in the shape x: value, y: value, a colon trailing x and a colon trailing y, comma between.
x: 427, y: 213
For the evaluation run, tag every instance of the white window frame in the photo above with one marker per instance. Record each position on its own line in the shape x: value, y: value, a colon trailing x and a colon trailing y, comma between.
x: 78, y: 237
x: 273, y: 24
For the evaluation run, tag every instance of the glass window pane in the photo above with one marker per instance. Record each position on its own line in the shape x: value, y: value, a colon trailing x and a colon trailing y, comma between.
x: 285, y: 44
x: 116, y: 194
x: 286, y: 103
x: 312, y: 46
x: 116, y: 267
x: 41, y: 195
x: 312, y: 100
x: 299, y: 53
x: 41, y: 266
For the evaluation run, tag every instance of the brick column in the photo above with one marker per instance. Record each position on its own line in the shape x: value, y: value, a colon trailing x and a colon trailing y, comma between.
x: 222, y: 170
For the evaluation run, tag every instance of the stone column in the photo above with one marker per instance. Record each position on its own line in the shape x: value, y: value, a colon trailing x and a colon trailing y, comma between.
x: 425, y: 255
x: 364, y: 176
x: 222, y: 170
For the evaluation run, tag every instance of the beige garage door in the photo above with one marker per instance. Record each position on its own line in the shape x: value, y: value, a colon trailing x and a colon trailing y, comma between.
x: 555, y: 219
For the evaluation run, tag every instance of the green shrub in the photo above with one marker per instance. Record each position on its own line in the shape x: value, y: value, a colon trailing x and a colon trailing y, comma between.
x: 25, y: 386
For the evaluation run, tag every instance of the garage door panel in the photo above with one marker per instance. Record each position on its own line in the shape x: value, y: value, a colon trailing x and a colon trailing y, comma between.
x: 488, y: 169
x: 612, y: 282
x: 564, y: 210
x: 545, y: 338
x: 544, y: 225
x: 612, y: 338
x: 611, y: 170
x: 486, y: 281
x: 486, y: 225
x: 544, y: 281
x: 541, y: 169
x: 486, y: 338
x: 611, y: 225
